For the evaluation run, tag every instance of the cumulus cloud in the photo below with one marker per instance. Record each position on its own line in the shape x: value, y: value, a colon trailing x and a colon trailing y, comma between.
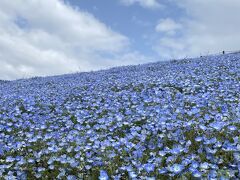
x: 50, y: 37
x: 207, y: 27
x: 152, y: 4
x: 168, y: 26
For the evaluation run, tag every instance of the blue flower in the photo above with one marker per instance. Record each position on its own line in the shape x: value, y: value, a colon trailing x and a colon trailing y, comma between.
x: 176, y: 168
x: 163, y: 170
x: 10, y: 159
x: 149, y: 167
x: 207, y: 117
x: 195, y: 164
x: 103, y: 175
x: 217, y: 125
x: 232, y: 128
x: 71, y: 177
x: 132, y: 174
x: 212, y: 174
x: 204, y: 165
x: 203, y: 127
x: 198, y: 139
x: 162, y: 153
x: 177, y: 150
x: 197, y: 174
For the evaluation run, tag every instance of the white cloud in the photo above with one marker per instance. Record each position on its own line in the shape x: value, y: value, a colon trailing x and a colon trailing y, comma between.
x: 152, y: 4
x: 50, y: 37
x: 168, y: 26
x: 209, y: 27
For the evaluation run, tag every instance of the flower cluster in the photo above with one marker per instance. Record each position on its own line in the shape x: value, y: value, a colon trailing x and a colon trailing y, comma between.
x: 154, y: 121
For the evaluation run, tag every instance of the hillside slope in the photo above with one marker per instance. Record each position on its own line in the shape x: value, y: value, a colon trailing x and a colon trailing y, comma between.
x: 165, y: 119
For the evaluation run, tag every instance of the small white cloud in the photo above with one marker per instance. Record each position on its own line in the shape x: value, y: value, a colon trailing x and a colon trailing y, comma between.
x: 168, y: 26
x: 151, y: 4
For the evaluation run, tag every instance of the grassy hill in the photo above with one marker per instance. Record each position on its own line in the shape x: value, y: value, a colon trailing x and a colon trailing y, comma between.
x: 176, y: 119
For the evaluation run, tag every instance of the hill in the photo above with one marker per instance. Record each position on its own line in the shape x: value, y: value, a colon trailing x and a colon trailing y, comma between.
x: 160, y: 120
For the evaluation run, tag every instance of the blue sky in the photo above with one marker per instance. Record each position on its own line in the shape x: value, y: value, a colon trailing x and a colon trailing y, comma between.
x: 134, y: 21
x: 49, y: 37
x: 118, y: 18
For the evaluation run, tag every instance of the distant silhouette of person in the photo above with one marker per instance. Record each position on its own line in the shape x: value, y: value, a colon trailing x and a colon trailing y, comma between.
x: 223, y: 52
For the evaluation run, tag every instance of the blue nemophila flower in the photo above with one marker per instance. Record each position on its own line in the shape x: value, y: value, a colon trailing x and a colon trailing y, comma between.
x: 185, y: 162
x: 38, y: 175
x: 202, y: 127
x: 10, y: 159
x: 236, y: 140
x: 51, y: 167
x: 138, y: 153
x: 162, y: 153
x: 62, y: 173
x: 236, y: 156
x: 177, y: 150
x: 207, y: 117
x: 21, y: 161
x: 132, y: 174
x: 228, y: 147
x: 195, y: 110
x: 163, y: 170
x: 232, y: 128
x: 204, y: 165
x: 21, y: 175
x: 149, y: 167
x: 188, y: 143
x: 73, y: 163
x: 176, y: 168
x: 195, y: 164
x: 217, y: 125
x: 103, y: 175
x: 31, y: 160
x: 218, y: 144
x: 212, y: 174
x: 71, y: 177
x: 213, y: 140
x: 171, y: 159
x: 231, y: 173
x: 210, y: 150
x: 197, y: 174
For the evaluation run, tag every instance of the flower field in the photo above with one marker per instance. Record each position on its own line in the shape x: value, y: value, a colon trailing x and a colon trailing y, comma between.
x: 166, y: 120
